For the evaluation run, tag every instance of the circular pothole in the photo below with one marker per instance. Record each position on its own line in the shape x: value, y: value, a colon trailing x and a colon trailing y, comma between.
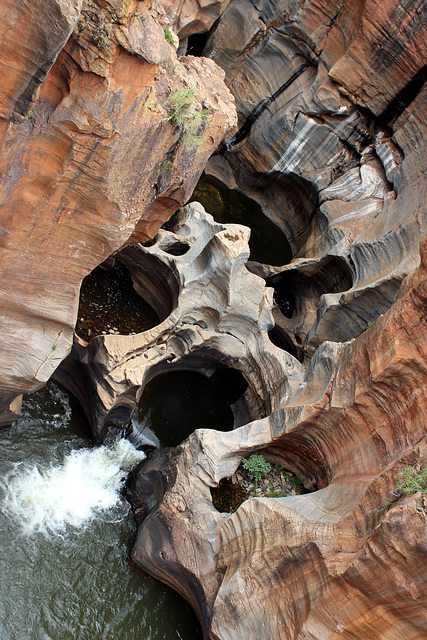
x: 176, y: 248
x: 110, y: 305
x: 267, y: 243
x: 174, y: 404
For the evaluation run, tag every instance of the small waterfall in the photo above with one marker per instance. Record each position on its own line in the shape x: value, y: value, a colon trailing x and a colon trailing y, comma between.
x: 48, y: 498
x: 141, y: 436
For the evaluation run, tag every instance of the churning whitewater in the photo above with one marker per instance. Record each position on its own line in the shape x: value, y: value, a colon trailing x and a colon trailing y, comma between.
x: 48, y: 498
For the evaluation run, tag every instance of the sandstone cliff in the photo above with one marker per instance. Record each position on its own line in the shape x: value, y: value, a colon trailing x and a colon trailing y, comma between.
x: 91, y: 154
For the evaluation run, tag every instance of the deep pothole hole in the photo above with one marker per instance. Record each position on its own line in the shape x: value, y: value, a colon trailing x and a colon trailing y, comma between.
x: 109, y: 304
x: 268, y: 244
x: 175, y: 404
x: 275, y: 482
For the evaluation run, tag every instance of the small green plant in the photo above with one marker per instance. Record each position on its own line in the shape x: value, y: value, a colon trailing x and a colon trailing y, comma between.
x: 31, y: 115
x: 54, y: 346
x: 413, y: 479
x: 257, y: 467
x: 257, y: 39
x: 186, y: 113
x: 296, y: 481
x: 273, y: 493
x: 165, y: 166
x: 168, y: 36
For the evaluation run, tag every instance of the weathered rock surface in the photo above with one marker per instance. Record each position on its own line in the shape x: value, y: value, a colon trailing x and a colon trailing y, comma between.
x: 193, y: 16
x: 331, y: 143
x: 345, y: 561
x: 347, y: 423
x: 331, y: 113
x: 89, y: 157
x: 215, y: 314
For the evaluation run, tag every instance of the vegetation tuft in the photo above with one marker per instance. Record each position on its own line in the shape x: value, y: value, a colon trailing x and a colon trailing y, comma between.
x: 186, y: 113
x: 257, y: 467
x: 168, y: 36
x: 413, y: 479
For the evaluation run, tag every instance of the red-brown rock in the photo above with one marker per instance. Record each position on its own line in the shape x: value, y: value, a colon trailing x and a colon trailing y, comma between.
x: 82, y: 165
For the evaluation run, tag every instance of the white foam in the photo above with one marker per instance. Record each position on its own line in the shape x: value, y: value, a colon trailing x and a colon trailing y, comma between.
x: 47, y: 499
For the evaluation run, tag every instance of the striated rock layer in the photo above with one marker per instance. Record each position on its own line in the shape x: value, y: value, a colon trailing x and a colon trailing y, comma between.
x: 331, y: 102
x: 346, y: 561
x: 91, y: 153
x: 330, y: 141
x: 347, y: 421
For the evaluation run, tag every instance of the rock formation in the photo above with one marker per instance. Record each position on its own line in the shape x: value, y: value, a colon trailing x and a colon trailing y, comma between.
x: 331, y: 143
x: 214, y: 313
x: 92, y: 152
x: 347, y: 420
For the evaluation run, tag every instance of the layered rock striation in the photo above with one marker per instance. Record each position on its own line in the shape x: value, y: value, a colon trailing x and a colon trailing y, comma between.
x: 104, y: 133
x: 101, y: 145
x: 331, y: 107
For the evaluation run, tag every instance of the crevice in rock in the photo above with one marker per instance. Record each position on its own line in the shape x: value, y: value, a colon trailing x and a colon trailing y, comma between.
x: 404, y: 98
x: 280, y: 338
x: 245, y: 129
x: 196, y: 43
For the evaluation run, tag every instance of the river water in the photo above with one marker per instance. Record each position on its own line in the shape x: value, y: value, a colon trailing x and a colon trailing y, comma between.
x: 66, y: 534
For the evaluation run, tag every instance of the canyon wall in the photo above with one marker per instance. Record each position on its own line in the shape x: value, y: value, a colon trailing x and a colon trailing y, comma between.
x: 92, y: 154
x: 330, y: 141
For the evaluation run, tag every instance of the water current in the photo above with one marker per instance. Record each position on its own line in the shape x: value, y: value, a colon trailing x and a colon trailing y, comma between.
x: 66, y: 533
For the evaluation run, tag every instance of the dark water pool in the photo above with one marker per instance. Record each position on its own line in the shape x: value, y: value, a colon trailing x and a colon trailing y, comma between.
x: 75, y: 584
x: 174, y: 404
x: 267, y: 244
x: 110, y: 304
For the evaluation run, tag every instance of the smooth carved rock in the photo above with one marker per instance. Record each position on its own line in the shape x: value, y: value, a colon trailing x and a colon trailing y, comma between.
x: 337, y: 179
x: 213, y: 313
x: 84, y: 169
x: 32, y: 34
x: 344, y: 561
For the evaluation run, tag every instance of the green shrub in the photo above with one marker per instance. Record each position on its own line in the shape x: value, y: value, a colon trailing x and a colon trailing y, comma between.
x: 186, y: 113
x: 168, y: 36
x: 296, y: 481
x: 256, y: 466
x: 413, y: 479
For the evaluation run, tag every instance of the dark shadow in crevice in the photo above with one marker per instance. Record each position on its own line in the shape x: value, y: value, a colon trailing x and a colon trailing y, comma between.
x: 267, y: 243
x: 176, y: 248
x: 196, y: 44
x: 175, y: 404
x: 331, y: 274
x: 281, y: 339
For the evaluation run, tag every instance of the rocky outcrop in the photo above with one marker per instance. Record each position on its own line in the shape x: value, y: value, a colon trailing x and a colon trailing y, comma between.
x: 330, y: 113
x: 343, y: 561
x: 103, y: 137
x: 347, y: 422
x: 214, y: 314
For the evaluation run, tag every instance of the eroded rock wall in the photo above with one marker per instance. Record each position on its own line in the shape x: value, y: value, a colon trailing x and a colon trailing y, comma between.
x: 331, y: 108
x: 346, y: 561
x: 91, y: 155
